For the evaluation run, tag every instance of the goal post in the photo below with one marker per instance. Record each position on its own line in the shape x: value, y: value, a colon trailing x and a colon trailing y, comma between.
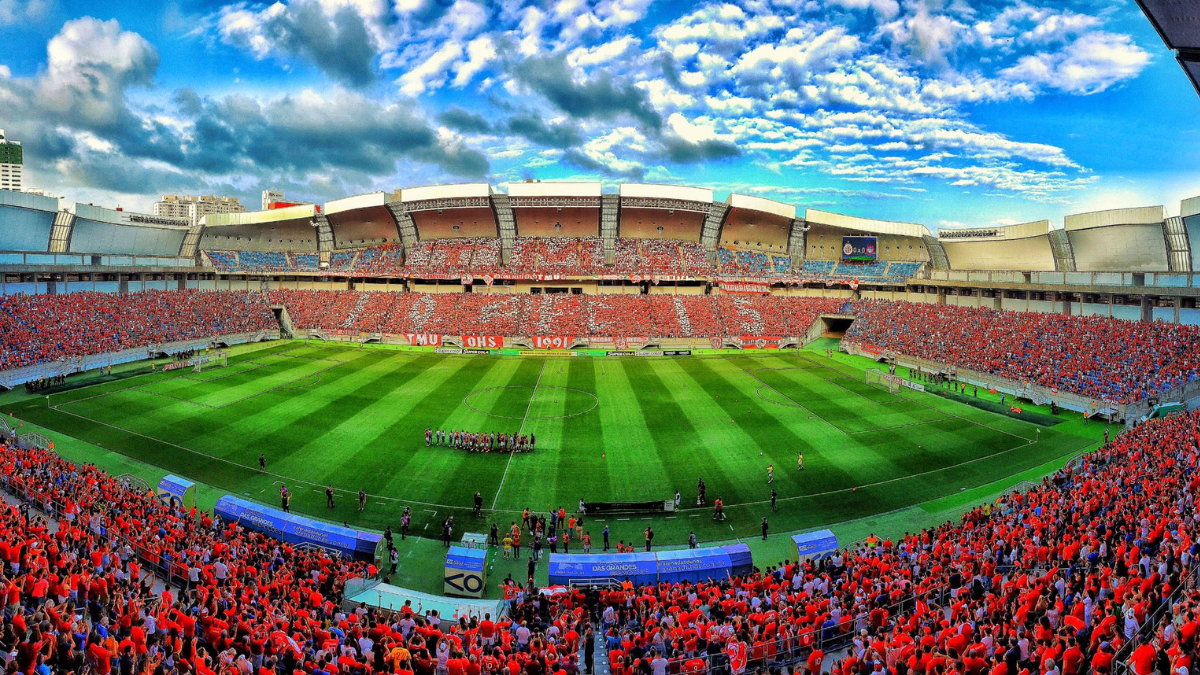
x: 218, y: 360
x: 876, y: 376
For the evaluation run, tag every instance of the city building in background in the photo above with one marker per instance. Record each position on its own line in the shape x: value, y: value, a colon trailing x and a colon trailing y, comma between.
x: 275, y: 199
x: 12, y: 161
x: 193, y: 208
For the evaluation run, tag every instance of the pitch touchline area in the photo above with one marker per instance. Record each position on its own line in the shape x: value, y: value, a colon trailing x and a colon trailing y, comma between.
x: 259, y: 365
x: 893, y: 480
x: 495, y: 510
x: 529, y: 407
x: 915, y: 400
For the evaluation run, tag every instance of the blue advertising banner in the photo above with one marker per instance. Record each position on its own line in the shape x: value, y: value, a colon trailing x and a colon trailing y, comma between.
x: 640, y: 568
x: 811, y: 544
x: 860, y: 249
x: 692, y: 565
x: 294, y: 529
x: 465, y: 571
x: 178, y: 491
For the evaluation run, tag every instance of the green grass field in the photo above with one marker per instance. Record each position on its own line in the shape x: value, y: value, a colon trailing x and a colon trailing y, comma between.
x: 607, y: 429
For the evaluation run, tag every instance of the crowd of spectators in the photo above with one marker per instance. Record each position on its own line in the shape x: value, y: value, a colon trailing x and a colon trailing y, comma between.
x: 1095, y: 563
x: 566, y: 256
x: 42, y: 328
x: 661, y: 257
x: 552, y: 314
x: 380, y: 260
x: 80, y: 597
x: 1105, y: 358
x: 748, y: 262
x: 262, y: 261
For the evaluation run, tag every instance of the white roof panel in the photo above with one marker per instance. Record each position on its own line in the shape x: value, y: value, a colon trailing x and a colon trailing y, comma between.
x: 865, y: 224
x: 653, y: 191
x: 762, y: 205
x: 1139, y: 215
x: 554, y: 189
x: 458, y: 191
x: 370, y: 200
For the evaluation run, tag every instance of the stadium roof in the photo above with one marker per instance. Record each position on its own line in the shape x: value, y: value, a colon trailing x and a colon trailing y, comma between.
x: 1178, y: 23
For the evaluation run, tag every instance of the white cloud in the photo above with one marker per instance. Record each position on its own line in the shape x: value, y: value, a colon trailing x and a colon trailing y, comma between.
x: 480, y: 53
x: 13, y: 12
x: 1091, y: 64
x: 588, y: 57
x: 432, y: 73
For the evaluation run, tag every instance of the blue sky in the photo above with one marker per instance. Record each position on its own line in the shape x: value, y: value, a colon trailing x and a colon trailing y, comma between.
x: 942, y: 112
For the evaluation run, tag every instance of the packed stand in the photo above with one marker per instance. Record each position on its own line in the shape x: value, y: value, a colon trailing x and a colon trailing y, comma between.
x: 386, y: 259
x: 262, y: 261
x: 661, y: 256
x: 742, y: 262
x: 628, y: 315
x: 42, y: 328
x: 1110, y: 359
x: 615, y: 315
x: 329, y: 310
x: 81, y: 599
x: 583, y: 256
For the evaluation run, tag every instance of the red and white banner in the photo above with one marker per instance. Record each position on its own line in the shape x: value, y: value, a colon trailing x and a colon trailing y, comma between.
x: 756, y: 289
x: 553, y: 342
x: 468, y: 280
x: 483, y: 341
x: 621, y: 343
x: 551, y: 277
x: 763, y: 342
x: 423, y: 340
x: 489, y: 279
x: 716, y: 342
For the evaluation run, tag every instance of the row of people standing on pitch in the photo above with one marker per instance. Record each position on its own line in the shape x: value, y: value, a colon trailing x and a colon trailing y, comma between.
x: 480, y: 441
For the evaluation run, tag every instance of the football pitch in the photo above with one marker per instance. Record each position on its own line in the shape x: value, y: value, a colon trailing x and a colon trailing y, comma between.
x: 608, y: 429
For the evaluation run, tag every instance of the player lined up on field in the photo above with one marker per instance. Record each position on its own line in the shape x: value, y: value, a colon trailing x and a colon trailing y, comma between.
x: 480, y: 441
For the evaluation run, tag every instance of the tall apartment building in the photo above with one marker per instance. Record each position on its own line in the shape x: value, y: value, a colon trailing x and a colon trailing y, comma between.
x: 12, y: 160
x: 193, y: 208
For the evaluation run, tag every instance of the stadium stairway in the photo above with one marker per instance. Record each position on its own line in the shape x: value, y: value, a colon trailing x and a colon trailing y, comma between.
x: 602, y: 665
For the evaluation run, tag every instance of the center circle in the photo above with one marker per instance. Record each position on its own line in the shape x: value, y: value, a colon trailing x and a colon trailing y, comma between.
x: 523, y: 401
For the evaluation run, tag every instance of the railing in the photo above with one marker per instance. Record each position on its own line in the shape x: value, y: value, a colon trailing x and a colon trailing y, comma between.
x: 160, y: 567
x: 17, y: 376
x: 93, y: 260
x: 1149, y: 628
x: 133, y: 483
x: 1125, y: 279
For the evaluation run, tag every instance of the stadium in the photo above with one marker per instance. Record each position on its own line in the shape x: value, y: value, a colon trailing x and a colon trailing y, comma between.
x: 622, y: 427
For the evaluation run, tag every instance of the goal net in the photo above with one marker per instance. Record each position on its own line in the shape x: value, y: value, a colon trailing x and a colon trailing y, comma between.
x: 878, y: 377
x: 218, y: 360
